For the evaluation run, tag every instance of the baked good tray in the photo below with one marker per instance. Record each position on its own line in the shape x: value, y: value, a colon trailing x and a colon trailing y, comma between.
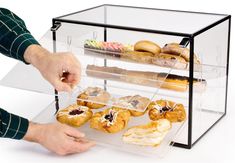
x: 113, y: 140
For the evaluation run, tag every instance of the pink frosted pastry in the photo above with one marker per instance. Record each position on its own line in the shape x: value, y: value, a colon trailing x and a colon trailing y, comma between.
x: 111, y: 48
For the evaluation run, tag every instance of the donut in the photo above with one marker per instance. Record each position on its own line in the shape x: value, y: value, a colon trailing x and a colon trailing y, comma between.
x: 93, y: 97
x: 147, y: 46
x: 176, y: 49
x: 74, y: 115
x: 135, y: 104
x: 150, y: 134
x: 111, y: 120
x: 166, y: 109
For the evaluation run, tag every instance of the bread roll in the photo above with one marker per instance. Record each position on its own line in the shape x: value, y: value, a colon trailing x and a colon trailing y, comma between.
x: 176, y: 49
x: 147, y: 46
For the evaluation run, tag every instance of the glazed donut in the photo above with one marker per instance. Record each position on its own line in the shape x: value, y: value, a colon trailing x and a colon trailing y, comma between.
x: 135, y: 104
x: 147, y: 46
x: 93, y: 97
x: 166, y: 109
x: 150, y: 134
x: 74, y: 115
x: 176, y: 49
x: 111, y: 120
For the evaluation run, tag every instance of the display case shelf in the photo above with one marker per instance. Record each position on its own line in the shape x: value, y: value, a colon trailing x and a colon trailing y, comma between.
x: 113, y: 140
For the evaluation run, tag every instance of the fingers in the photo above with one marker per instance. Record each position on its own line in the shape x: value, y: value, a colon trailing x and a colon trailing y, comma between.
x: 75, y: 141
x: 80, y: 145
x: 63, y: 139
x: 67, y: 82
x: 72, y: 79
x: 62, y: 71
x: 83, y: 146
x: 61, y: 86
x: 72, y: 132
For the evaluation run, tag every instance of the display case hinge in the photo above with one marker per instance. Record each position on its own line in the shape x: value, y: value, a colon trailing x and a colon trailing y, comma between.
x: 55, y: 26
x: 184, y: 42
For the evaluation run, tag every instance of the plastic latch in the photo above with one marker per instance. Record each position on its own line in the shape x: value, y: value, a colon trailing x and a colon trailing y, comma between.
x: 184, y: 42
x: 55, y: 26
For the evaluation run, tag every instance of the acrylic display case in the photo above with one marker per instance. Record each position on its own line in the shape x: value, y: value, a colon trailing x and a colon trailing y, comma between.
x: 205, y: 34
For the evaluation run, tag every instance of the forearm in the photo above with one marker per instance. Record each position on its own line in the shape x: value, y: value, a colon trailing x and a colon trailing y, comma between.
x: 14, y: 36
x: 12, y: 126
x: 33, y: 133
x: 35, y: 55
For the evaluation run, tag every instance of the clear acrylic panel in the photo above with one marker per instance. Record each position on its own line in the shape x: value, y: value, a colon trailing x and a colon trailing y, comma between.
x: 123, y: 76
x: 209, y: 106
x: 99, y: 69
x: 152, y: 19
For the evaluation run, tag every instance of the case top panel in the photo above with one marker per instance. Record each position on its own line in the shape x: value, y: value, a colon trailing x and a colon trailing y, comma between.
x: 145, y: 18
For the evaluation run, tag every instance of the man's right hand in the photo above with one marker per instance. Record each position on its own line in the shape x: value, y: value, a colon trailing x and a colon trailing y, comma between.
x: 58, y: 138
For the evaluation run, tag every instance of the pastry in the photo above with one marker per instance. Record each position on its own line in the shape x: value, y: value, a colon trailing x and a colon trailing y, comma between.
x: 136, y: 104
x: 162, y: 80
x: 147, y: 78
x: 176, y: 49
x: 110, y: 48
x: 112, y: 73
x: 93, y: 97
x: 180, y: 83
x: 166, y: 109
x: 169, y: 60
x: 147, y: 46
x: 74, y: 115
x: 150, y: 134
x: 111, y: 120
x: 138, y: 56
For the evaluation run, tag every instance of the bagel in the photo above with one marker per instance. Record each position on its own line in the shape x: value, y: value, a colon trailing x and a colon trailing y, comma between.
x: 147, y: 46
x: 176, y: 49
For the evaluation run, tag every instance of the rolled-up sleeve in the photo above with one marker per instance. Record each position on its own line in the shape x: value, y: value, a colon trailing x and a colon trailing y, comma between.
x: 14, y: 36
x: 14, y: 40
x: 12, y: 126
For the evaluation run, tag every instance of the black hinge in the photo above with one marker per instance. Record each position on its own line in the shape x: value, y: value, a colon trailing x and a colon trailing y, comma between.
x: 184, y: 42
x: 55, y: 26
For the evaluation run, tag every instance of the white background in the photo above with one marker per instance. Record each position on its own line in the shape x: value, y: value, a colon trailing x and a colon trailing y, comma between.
x: 216, y: 146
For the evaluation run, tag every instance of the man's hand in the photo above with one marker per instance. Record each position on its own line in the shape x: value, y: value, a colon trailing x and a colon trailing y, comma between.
x: 58, y: 138
x: 62, y: 70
